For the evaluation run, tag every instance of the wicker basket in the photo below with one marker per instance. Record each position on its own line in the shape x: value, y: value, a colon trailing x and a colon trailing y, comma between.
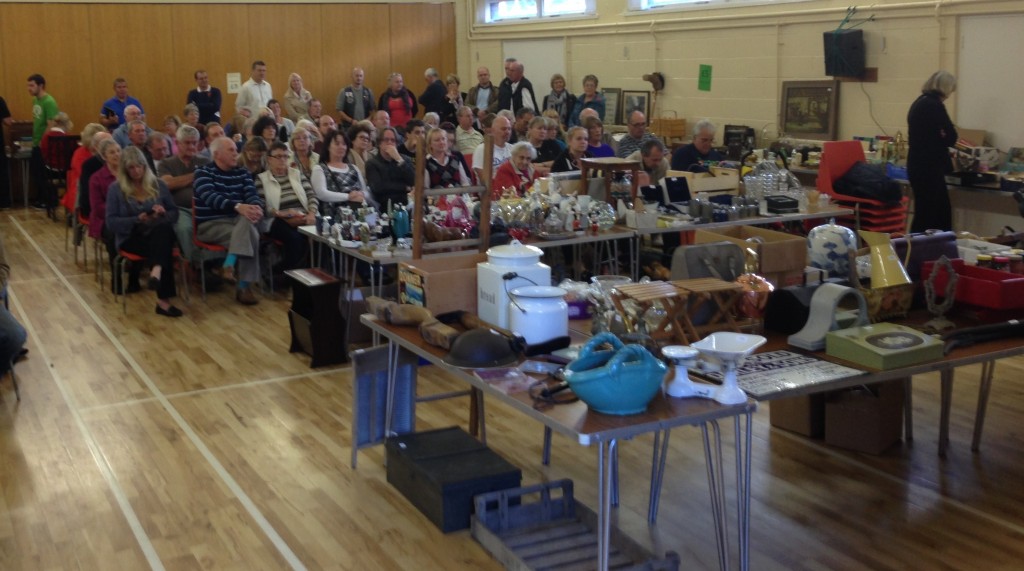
x: 883, y: 303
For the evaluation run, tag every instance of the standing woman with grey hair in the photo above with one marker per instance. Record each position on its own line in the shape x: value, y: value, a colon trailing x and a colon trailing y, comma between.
x: 931, y: 133
x: 399, y: 102
x: 141, y: 215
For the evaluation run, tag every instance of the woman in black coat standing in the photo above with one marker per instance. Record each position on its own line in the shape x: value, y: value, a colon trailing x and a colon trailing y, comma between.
x: 931, y: 133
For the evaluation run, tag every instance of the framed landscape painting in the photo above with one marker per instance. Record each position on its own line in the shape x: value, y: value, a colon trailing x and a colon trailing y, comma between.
x: 809, y: 109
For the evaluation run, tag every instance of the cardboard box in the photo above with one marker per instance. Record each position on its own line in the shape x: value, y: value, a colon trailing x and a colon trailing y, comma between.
x: 803, y: 415
x: 718, y: 179
x: 866, y: 419
x: 442, y: 284
x: 777, y: 253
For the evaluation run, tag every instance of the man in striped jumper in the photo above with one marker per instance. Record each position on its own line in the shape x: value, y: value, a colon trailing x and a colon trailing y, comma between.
x: 227, y: 211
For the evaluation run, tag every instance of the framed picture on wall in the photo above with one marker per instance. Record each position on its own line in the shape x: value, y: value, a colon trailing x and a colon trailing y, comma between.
x: 635, y: 101
x: 809, y: 109
x: 611, y: 104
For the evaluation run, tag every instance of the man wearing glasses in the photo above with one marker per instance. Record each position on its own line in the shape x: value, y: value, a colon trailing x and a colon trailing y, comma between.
x: 696, y: 156
x: 389, y: 174
x: 636, y: 137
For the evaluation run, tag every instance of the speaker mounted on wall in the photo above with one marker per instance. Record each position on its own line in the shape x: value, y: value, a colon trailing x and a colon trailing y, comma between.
x: 844, y: 53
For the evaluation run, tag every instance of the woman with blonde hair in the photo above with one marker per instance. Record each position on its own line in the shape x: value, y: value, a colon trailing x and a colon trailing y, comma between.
x: 141, y: 215
x: 83, y: 153
x: 253, y: 157
x: 296, y: 98
x: 303, y: 158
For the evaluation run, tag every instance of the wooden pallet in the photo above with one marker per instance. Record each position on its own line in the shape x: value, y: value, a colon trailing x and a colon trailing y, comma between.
x: 553, y: 533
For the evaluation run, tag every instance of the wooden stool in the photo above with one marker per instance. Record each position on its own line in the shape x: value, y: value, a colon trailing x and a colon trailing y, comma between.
x: 672, y: 300
x: 701, y: 291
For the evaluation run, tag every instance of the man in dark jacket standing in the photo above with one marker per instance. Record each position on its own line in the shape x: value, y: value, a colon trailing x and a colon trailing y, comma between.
x: 432, y: 99
x: 515, y: 91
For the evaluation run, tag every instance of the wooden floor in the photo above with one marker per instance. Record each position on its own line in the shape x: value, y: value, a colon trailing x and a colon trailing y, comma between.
x: 201, y: 443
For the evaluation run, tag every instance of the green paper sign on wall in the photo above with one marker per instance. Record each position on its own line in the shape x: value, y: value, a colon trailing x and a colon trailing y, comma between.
x: 704, y: 78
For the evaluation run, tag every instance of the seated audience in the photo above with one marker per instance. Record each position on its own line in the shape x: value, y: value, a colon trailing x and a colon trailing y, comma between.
x: 296, y: 99
x: 141, y: 215
x: 132, y: 114
x: 336, y: 182
x: 443, y: 170
x: 89, y: 168
x: 695, y: 155
x: 590, y: 99
x: 99, y: 184
x: 214, y: 131
x: 467, y: 137
x: 178, y: 173
x: 595, y: 142
x: 569, y: 160
x: 12, y: 334
x: 415, y: 130
x: 431, y: 120
x: 284, y: 124
x: 653, y: 160
x: 61, y: 125
x: 516, y: 175
x: 158, y: 147
x: 228, y: 210
x: 390, y: 174
x: 361, y: 135
x: 171, y: 124
x: 555, y: 132
x: 325, y: 125
x: 449, y: 130
x: 501, y: 131
x: 266, y: 129
x: 522, y: 124
x: 315, y: 111
x: 304, y: 158
x: 190, y: 115
x: 636, y: 135
x: 253, y: 157
x: 545, y: 151
x: 290, y: 202
x: 83, y: 153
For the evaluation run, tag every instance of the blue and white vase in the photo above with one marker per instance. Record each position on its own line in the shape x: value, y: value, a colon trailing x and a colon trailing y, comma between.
x: 829, y: 247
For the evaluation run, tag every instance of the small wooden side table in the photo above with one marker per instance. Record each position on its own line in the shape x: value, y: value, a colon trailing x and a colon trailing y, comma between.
x: 609, y: 166
x: 316, y: 323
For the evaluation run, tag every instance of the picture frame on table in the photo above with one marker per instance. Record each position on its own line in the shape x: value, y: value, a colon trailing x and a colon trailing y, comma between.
x: 611, y: 104
x: 809, y: 109
x: 634, y: 101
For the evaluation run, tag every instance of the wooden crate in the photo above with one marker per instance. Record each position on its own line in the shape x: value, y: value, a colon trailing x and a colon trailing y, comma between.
x: 555, y: 532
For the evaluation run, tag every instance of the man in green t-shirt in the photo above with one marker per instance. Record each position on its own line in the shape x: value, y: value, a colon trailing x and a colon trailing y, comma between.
x: 44, y: 109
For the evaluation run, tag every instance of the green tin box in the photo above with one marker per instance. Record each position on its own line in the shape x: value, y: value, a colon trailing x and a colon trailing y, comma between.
x: 883, y: 346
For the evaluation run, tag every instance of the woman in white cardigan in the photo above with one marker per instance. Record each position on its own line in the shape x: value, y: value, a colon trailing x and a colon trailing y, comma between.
x: 291, y: 203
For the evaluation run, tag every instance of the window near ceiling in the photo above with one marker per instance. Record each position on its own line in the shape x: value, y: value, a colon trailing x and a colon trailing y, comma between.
x: 504, y: 11
x: 656, y: 4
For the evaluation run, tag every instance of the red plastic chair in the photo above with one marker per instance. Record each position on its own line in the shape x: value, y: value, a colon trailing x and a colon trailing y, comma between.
x: 836, y: 159
x: 202, y: 248
x: 121, y: 271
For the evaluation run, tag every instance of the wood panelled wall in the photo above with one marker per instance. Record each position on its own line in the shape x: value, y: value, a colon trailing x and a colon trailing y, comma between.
x: 81, y: 48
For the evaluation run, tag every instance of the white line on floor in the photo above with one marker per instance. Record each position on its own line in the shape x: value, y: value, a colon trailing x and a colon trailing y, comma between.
x: 250, y: 506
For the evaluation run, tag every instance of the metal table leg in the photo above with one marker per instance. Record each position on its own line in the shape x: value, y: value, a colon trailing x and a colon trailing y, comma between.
x: 946, y: 378
x: 988, y: 368
x: 716, y: 487
x: 605, y: 452
x: 657, y: 475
